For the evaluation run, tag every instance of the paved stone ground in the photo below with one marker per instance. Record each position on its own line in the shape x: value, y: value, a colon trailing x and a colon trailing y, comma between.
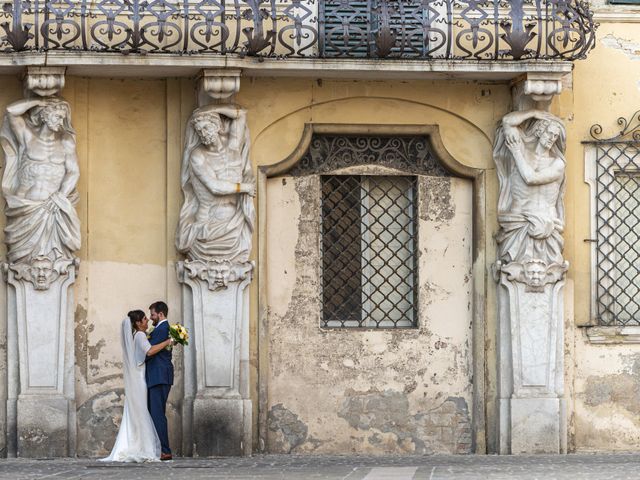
x: 294, y: 467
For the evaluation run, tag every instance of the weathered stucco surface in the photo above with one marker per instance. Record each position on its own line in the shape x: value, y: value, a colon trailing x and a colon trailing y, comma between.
x: 603, y: 380
x: 368, y: 391
x: 322, y: 382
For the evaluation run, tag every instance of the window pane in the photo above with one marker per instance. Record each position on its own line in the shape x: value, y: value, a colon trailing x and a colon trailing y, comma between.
x: 369, y: 265
x: 341, y: 251
x: 625, y: 291
x: 618, y: 234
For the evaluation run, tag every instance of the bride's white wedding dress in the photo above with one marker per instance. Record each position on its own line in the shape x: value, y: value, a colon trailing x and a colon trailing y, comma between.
x: 137, y: 439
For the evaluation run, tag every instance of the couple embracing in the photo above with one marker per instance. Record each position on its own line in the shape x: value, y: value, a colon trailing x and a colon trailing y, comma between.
x: 148, y: 376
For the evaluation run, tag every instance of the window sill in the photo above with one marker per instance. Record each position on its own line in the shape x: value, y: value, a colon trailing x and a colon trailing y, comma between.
x: 613, y: 335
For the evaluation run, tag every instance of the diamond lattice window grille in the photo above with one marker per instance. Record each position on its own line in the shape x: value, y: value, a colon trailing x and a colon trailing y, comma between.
x: 369, y: 238
x: 618, y: 233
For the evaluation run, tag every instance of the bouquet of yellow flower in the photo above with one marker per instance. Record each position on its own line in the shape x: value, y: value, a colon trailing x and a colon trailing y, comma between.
x: 179, y: 334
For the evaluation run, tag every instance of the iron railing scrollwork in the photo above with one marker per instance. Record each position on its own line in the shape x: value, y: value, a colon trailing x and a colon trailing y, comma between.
x: 617, y: 215
x: 419, y: 29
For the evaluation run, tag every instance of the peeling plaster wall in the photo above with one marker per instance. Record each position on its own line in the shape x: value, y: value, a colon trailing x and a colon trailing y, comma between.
x: 368, y: 391
x: 603, y: 381
x: 129, y: 142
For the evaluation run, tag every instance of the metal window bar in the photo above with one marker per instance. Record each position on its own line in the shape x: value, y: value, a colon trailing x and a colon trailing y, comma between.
x: 618, y: 233
x: 369, y: 264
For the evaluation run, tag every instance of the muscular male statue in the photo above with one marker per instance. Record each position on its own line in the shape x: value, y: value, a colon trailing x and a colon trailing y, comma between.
x: 40, y: 177
x: 217, y: 217
x: 529, y: 155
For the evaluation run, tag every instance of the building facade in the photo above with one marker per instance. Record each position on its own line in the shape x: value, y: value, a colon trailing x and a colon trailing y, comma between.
x: 390, y: 227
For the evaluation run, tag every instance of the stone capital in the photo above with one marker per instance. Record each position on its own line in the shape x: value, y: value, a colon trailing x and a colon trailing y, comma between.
x: 216, y: 274
x: 536, y: 90
x: 217, y: 85
x: 41, y: 271
x: 43, y: 81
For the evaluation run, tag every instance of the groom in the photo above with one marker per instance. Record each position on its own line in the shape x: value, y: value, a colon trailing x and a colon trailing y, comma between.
x: 159, y: 375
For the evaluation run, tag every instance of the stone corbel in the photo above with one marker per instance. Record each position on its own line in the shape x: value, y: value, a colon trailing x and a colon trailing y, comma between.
x: 43, y: 81
x: 536, y: 90
x: 217, y: 86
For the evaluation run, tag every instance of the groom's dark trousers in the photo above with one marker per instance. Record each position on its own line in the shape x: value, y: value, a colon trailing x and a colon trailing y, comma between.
x: 159, y: 376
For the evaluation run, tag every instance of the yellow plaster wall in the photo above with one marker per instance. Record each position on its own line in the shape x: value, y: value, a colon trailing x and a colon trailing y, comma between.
x: 129, y: 144
x: 603, y: 380
x: 129, y: 141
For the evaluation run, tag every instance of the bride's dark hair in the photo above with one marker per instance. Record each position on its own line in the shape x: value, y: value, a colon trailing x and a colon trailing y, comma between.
x: 135, y: 316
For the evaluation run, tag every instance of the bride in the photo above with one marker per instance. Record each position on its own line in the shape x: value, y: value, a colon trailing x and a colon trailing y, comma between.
x: 137, y: 440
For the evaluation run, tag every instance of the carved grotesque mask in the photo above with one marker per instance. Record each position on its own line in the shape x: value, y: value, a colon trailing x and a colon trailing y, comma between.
x: 535, y: 273
x: 220, y: 274
x: 42, y: 273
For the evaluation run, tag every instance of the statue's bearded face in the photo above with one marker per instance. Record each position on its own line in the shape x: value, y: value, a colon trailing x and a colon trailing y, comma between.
x: 53, y: 117
x: 548, y: 135
x: 208, y: 129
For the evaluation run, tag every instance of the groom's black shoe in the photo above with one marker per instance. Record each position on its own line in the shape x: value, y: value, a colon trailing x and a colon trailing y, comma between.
x: 165, y: 456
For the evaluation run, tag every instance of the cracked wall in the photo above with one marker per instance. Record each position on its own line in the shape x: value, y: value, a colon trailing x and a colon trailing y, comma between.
x: 368, y: 391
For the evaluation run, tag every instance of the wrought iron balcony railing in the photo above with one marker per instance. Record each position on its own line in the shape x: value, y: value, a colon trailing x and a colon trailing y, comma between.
x: 406, y: 29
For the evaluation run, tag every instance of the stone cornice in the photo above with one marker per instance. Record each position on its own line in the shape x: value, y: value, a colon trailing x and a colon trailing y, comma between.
x: 169, y: 65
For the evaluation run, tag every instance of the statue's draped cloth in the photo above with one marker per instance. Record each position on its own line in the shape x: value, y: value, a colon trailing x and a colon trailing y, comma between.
x: 525, y: 236
x: 35, y: 228
x: 214, y: 239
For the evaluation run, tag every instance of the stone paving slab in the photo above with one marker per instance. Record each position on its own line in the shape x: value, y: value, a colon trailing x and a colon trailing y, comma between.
x: 296, y: 467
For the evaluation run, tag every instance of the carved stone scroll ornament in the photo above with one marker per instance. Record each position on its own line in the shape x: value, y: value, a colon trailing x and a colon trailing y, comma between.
x: 39, y: 184
x: 535, y: 274
x: 216, y: 274
x: 42, y: 271
x: 217, y: 217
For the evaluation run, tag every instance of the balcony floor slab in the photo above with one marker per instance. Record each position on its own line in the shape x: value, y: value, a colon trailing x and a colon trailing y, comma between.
x: 93, y: 64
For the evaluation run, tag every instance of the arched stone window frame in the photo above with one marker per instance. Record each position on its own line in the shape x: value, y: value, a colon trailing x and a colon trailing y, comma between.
x: 479, y: 259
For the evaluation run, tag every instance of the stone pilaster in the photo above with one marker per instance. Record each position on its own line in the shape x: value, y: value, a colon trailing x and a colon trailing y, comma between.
x: 42, y: 235
x: 216, y: 309
x: 215, y: 233
x: 530, y: 271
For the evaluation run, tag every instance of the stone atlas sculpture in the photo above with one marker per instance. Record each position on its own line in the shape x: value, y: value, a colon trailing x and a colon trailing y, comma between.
x: 530, y: 163
x: 218, y: 216
x: 214, y: 233
x: 42, y: 234
x: 39, y: 187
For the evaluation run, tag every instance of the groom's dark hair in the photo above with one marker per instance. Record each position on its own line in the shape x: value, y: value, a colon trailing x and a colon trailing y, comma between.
x: 160, y: 307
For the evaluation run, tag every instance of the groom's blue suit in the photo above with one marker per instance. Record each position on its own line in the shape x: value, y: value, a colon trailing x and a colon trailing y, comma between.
x: 159, y: 377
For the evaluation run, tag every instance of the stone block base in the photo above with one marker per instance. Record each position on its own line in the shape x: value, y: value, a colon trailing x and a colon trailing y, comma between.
x: 536, y: 425
x: 42, y: 426
x: 221, y: 427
